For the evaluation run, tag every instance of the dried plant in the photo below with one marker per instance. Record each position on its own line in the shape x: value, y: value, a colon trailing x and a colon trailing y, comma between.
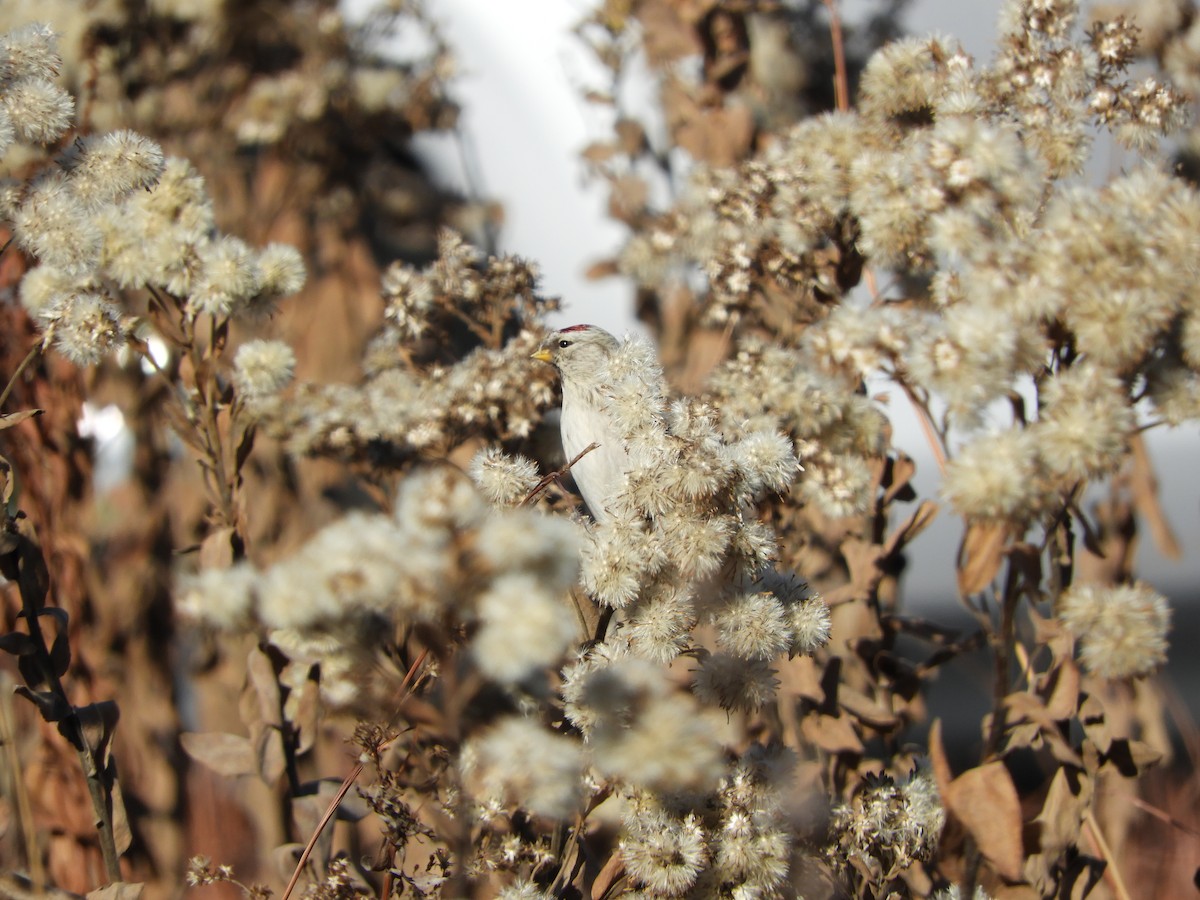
x: 716, y: 690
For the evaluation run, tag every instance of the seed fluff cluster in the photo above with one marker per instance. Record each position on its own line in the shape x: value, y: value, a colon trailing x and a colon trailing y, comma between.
x: 111, y: 216
x: 428, y: 386
x: 682, y: 545
x: 1121, y: 630
x: 443, y: 557
x: 958, y: 179
x: 888, y: 825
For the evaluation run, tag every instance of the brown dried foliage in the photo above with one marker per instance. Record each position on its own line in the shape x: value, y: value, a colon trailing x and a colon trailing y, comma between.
x: 1044, y: 810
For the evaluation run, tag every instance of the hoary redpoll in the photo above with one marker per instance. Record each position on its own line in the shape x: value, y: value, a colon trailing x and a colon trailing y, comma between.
x: 581, y: 353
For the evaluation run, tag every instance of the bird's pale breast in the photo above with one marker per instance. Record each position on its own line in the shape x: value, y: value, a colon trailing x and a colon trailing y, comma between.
x: 601, y: 473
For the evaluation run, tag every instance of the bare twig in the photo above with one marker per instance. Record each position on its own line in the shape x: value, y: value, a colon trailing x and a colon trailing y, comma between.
x: 841, y: 83
x: 1166, y: 817
x: 927, y: 426
x: 33, y: 850
x: 547, y: 480
x: 1112, y: 872
x: 33, y: 353
x: 347, y: 783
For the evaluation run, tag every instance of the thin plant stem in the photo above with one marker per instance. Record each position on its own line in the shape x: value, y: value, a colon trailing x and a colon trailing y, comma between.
x: 1165, y: 817
x: 927, y: 426
x: 347, y: 783
x: 1112, y: 872
x: 33, y: 850
x: 330, y: 812
x: 33, y: 353
x: 547, y: 480
x: 97, y: 790
x: 841, y: 83
x: 1002, y: 646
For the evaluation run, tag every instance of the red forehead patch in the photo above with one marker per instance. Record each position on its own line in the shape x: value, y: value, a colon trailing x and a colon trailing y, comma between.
x: 574, y: 328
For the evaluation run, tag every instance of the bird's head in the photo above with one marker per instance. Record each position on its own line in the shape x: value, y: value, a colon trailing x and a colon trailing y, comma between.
x: 577, y: 352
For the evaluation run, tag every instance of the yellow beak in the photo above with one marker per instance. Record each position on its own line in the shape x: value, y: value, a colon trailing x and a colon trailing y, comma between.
x: 543, y: 355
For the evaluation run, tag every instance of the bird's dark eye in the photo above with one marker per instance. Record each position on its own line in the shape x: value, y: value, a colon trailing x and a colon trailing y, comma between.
x: 564, y: 344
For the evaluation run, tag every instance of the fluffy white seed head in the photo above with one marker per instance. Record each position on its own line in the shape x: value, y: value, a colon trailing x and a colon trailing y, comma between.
x: 53, y: 225
x: 503, y: 479
x: 228, y: 277
x: 38, y: 109
x: 30, y: 51
x: 261, y: 369
x: 753, y: 626
x: 995, y: 477
x: 281, y: 270
x: 662, y: 853
x: 524, y: 628
x: 1121, y: 629
x: 223, y: 598
x: 519, y: 761
x: 735, y: 683
x: 811, y: 623
x: 106, y: 167
x: 86, y: 327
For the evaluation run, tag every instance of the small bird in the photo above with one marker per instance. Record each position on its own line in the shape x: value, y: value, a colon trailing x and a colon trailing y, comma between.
x: 580, y: 353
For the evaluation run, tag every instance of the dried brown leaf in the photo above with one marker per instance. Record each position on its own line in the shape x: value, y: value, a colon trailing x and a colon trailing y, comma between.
x: 225, y: 754
x: 118, y: 890
x: 17, y: 418
x: 598, y: 152
x: 985, y: 800
x: 1132, y: 758
x: 1016, y: 892
x: 980, y: 556
x: 309, y: 811
x: 921, y: 518
x: 1051, y: 634
x: 98, y: 722
x: 902, y: 471
x: 1026, y: 560
x: 8, y: 485
x: 866, y: 710
x: 1095, y: 722
x: 627, y: 199
x: 938, y: 762
x: 665, y: 36
x: 608, y: 877
x: 1067, y: 803
x: 631, y: 136
x: 1043, y: 726
x: 216, y: 551
x: 604, y: 268
x: 719, y: 137
x: 800, y: 677
x: 863, y: 559
x: 833, y: 734
x: 1060, y: 687
x: 285, y: 857
x: 264, y: 681
x: 122, y: 830
x: 52, y: 707
x: 270, y: 759
x: 303, y: 712
x: 18, y: 643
